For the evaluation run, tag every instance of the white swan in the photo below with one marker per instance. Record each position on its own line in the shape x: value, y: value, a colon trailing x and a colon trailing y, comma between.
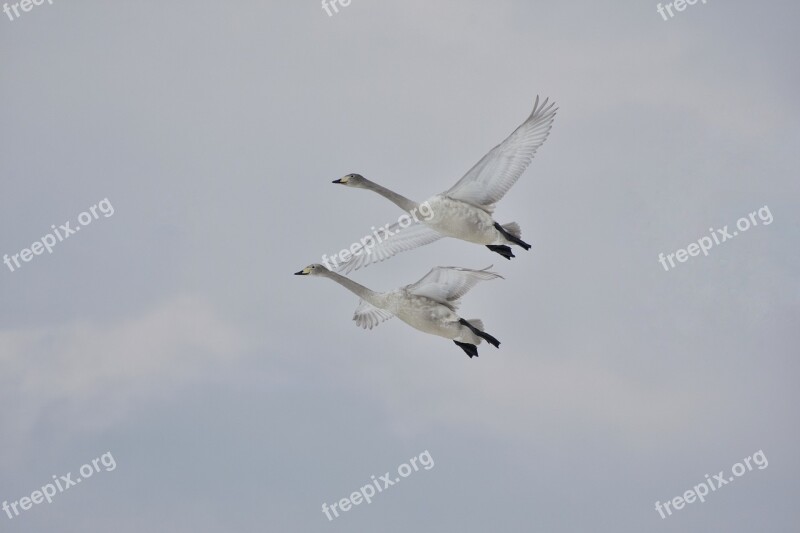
x: 465, y: 210
x: 428, y: 305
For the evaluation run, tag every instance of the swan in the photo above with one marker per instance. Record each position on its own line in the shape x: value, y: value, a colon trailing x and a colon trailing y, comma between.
x: 428, y: 305
x: 465, y: 210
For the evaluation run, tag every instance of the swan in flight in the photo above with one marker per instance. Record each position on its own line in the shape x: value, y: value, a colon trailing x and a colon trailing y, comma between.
x: 465, y: 210
x: 428, y: 305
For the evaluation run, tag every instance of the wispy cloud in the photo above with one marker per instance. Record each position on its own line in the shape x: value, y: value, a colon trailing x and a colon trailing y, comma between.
x: 86, y: 375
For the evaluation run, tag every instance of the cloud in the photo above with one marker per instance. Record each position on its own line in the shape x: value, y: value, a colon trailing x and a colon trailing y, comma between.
x: 87, y: 375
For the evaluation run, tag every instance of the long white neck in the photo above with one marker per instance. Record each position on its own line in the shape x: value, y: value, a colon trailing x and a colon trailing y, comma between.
x: 400, y: 201
x: 357, y: 289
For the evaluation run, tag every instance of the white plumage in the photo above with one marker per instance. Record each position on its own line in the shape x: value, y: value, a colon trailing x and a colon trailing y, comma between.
x: 465, y: 210
x: 429, y: 305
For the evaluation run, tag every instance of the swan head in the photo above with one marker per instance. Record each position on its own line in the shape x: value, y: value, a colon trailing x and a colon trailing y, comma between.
x: 352, y: 180
x: 312, y: 270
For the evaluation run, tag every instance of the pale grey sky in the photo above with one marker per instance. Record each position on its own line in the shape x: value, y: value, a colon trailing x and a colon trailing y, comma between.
x: 237, y: 397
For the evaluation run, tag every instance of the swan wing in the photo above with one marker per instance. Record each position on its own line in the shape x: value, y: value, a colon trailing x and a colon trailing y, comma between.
x: 393, y: 241
x: 491, y: 178
x: 447, y: 285
x: 368, y: 316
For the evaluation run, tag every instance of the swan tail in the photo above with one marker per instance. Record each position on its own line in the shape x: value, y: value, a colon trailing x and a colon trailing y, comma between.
x: 513, y: 229
x: 476, y: 322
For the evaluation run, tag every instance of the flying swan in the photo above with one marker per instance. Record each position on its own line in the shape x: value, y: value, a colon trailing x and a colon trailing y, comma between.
x: 465, y: 210
x: 428, y: 305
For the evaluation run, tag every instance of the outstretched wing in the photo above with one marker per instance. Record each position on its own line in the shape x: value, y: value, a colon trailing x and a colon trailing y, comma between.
x: 447, y: 285
x: 489, y: 180
x: 368, y: 316
x: 397, y: 239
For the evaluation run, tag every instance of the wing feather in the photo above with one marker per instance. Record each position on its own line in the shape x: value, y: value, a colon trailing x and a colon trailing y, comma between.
x: 447, y: 285
x: 399, y: 240
x: 368, y: 316
x: 491, y: 178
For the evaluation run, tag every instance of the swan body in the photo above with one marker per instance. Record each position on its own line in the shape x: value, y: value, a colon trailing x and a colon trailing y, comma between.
x: 429, y: 305
x: 428, y: 316
x: 461, y: 220
x: 465, y: 210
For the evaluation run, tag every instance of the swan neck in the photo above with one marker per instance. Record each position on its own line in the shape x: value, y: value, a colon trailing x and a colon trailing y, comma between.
x: 397, y: 199
x: 356, y: 288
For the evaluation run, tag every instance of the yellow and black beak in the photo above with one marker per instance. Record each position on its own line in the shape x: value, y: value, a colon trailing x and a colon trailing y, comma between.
x: 301, y: 273
x: 338, y: 181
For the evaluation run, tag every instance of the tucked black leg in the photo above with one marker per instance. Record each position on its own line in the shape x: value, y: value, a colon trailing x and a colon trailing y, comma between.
x: 501, y: 249
x: 470, y: 349
x: 485, y: 336
x: 512, y: 238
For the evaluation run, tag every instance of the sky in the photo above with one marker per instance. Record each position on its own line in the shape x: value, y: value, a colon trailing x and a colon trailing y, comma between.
x: 169, y: 333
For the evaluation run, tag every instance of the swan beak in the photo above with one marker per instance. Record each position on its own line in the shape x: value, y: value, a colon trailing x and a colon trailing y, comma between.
x: 338, y: 181
x: 301, y: 273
